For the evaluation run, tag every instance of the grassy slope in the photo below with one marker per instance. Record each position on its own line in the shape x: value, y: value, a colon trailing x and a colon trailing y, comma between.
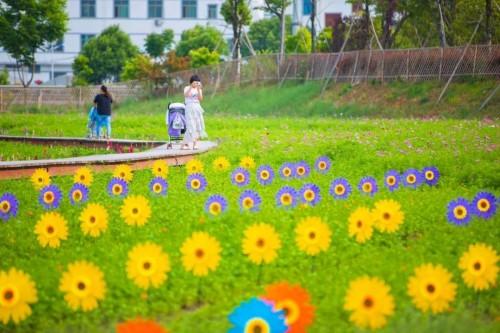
x: 466, y: 152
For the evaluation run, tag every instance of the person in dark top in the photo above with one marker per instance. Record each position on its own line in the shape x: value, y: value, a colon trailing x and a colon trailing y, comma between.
x: 102, y: 103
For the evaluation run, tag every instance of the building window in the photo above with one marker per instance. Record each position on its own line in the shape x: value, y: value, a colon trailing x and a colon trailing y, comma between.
x: 87, y: 8
x: 121, y: 8
x: 189, y: 8
x: 306, y: 7
x: 84, y: 39
x: 58, y: 46
x: 155, y: 8
x: 212, y: 11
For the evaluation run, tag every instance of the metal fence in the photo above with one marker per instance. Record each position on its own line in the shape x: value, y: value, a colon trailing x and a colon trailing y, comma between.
x: 355, y: 66
x: 11, y: 96
x: 480, y: 61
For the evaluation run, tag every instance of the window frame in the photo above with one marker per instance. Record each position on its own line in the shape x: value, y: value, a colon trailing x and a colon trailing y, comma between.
x: 185, y: 6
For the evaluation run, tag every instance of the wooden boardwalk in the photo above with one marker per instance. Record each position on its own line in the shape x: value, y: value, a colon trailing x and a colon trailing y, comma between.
x: 104, y: 162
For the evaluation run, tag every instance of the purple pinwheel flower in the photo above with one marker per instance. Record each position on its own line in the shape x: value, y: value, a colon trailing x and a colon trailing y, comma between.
x: 431, y: 175
x: 302, y: 169
x: 158, y: 186
x: 340, y: 188
x: 368, y: 185
x: 459, y: 212
x: 196, y: 182
x: 240, y: 177
x: 323, y: 164
x: 250, y: 201
x: 309, y: 194
x: 392, y: 179
x: 286, y: 197
x: 412, y: 178
x: 265, y: 175
x: 78, y: 193
x: 484, y: 205
x: 287, y: 171
x: 9, y: 206
x: 215, y: 205
x: 50, y: 196
x: 117, y: 187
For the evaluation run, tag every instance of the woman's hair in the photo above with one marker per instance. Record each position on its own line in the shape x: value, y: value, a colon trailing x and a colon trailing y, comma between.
x: 104, y: 89
x: 194, y: 78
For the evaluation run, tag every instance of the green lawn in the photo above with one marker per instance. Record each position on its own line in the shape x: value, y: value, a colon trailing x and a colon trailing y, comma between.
x: 465, y: 151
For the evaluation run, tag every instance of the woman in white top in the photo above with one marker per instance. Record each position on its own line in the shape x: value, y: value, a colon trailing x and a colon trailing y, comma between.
x: 195, y: 124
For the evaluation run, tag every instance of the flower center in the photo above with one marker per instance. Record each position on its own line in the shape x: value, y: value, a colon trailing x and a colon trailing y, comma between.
x: 322, y: 165
x: 287, y: 172
x: 157, y: 188
x: 260, y: 242
x: 195, y: 184
x: 339, y: 189
x: 301, y: 170
x: 257, y: 325
x: 135, y: 211
x: 50, y: 229
x: 92, y: 219
x: 429, y: 175
x: 312, y: 235
x: 117, y: 189
x: 460, y: 212
x: 391, y: 180
x: 309, y: 195
x: 8, y: 295
x: 215, y: 208
x: 477, y: 266
x: 82, y: 177
x: 81, y: 285
x: 122, y: 174
x: 199, y: 253
x: 431, y: 288
x: 359, y: 224
x: 5, y: 207
x: 290, y: 309
x: 40, y: 180
x: 386, y: 216
x: 146, y: 265
x: 240, y: 178
x: 248, y: 203
x: 264, y: 175
x: 411, y: 179
x: 77, y: 195
x: 286, y: 199
x: 48, y: 197
x: 367, y: 187
x: 483, y: 205
x: 368, y: 302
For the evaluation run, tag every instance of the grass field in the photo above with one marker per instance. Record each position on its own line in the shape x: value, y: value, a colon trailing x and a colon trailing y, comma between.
x: 272, y: 131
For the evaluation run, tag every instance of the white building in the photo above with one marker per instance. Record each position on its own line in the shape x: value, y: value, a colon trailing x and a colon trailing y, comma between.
x: 87, y: 18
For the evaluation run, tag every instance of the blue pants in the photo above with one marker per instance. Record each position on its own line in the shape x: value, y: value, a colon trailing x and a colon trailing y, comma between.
x: 106, y: 122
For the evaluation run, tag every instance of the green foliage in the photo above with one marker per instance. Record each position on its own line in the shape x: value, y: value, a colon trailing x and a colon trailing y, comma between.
x: 300, y: 42
x: 83, y: 71
x: 325, y: 38
x: 203, y: 57
x: 265, y: 35
x: 4, y: 77
x: 200, y: 36
x: 238, y: 14
x: 157, y: 44
x: 29, y: 25
x: 106, y: 55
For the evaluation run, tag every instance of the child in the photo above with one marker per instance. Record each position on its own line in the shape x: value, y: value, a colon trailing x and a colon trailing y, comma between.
x: 92, y: 123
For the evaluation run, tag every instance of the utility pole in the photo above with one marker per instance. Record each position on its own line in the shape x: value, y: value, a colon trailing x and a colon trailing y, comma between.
x: 313, y: 25
x: 295, y: 18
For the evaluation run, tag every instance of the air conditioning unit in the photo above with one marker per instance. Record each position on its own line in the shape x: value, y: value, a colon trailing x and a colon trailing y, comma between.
x: 158, y: 23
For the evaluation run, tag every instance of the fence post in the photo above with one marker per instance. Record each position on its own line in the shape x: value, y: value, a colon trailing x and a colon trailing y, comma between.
x: 355, y: 67
x: 368, y: 65
x: 383, y: 65
x: 80, y: 97
x: 1, y: 99
x: 440, y: 63
x: 474, y: 63
x: 408, y: 65
x: 40, y: 99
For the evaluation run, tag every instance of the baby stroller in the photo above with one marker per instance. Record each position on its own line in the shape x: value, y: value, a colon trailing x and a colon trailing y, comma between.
x: 176, y: 122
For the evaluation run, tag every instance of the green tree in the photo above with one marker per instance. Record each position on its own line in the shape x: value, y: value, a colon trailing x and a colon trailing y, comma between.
x: 325, y: 37
x: 265, y: 35
x: 27, y: 26
x: 143, y: 68
x: 301, y: 42
x: 278, y: 8
x: 203, y: 57
x: 157, y: 44
x: 237, y: 13
x: 106, y: 55
x: 4, y: 77
x: 199, y: 36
